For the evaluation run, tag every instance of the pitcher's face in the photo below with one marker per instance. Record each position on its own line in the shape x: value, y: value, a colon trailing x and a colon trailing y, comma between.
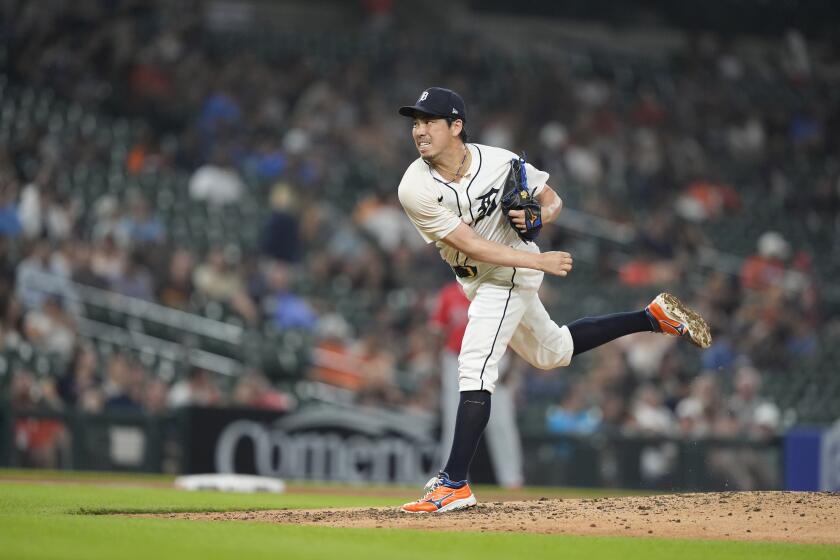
x: 433, y: 135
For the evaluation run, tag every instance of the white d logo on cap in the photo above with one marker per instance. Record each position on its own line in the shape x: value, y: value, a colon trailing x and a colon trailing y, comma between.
x: 423, y: 96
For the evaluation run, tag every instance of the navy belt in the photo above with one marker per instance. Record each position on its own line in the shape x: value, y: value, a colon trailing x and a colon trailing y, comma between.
x: 465, y: 271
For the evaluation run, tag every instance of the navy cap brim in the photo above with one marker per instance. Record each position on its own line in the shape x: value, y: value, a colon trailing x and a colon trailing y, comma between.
x: 411, y: 110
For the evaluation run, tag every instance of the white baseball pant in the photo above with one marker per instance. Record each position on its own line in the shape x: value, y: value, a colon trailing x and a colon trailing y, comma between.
x: 502, y: 316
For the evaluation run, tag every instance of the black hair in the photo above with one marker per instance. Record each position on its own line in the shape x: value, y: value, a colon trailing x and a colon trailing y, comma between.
x: 463, y: 136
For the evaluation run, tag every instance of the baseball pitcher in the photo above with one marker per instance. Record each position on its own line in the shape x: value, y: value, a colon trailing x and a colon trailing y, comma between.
x: 483, y: 207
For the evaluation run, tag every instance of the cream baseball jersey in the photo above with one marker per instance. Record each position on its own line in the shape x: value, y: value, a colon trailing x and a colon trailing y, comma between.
x: 436, y: 207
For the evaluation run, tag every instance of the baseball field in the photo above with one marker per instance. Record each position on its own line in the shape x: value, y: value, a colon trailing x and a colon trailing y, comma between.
x: 84, y: 515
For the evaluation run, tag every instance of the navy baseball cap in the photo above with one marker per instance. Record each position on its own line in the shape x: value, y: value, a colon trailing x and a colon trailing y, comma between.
x: 437, y: 102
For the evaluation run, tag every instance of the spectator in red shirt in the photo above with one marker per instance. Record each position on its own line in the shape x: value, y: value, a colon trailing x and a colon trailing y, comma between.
x: 766, y: 268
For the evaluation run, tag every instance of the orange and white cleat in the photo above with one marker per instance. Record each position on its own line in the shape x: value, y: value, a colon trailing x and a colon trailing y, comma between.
x: 441, y: 494
x: 677, y: 319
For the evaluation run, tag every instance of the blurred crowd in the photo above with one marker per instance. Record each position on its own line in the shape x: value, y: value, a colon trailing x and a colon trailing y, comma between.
x: 672, y: 150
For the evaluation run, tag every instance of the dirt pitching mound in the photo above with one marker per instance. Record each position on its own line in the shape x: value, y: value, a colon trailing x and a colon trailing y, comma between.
x: 800, y: 517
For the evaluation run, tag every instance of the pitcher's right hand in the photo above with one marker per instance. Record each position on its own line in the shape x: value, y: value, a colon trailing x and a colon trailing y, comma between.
x: 557, y: 263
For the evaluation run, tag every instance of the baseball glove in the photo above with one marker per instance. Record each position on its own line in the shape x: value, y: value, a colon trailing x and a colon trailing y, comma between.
x: 516, y: 196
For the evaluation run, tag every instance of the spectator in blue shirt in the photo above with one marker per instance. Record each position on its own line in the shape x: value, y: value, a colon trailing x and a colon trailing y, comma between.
x: 573, y: 417
x: 140, y: 227
x: 10, y: 225
x: 284, y: 308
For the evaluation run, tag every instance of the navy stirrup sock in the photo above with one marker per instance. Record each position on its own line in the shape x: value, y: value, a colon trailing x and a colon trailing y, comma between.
x: 591, y: 332
x: 473, y: 414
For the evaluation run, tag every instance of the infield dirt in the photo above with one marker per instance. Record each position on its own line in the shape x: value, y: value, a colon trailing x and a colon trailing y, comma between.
x: 800, y: 517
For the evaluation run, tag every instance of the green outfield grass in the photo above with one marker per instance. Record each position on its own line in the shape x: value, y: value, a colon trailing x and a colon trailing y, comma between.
x: 39, y: 520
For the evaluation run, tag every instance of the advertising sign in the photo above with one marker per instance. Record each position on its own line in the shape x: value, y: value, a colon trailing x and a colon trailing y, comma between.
x: 348, y: 444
